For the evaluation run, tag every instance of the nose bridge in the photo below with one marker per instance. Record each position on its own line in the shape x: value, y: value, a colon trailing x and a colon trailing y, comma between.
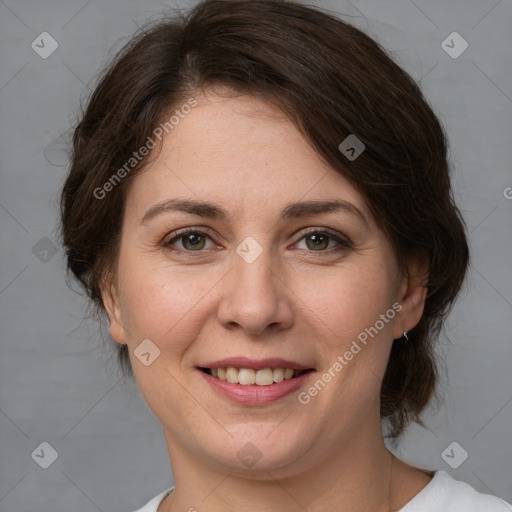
x: 253, y: 273
x: 254, y: 298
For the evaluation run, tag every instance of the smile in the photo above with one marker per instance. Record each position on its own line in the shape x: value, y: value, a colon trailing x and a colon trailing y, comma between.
x: 249, y: 376
x: 254, y: 387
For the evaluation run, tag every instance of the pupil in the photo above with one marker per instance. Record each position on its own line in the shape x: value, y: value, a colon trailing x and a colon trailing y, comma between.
x: 319, y: 239
x: 192, y: 239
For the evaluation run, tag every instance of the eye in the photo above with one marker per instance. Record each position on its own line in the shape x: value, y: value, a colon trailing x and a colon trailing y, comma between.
x: 318, y: 241
x: 191, y: 239
x: 194, y: 240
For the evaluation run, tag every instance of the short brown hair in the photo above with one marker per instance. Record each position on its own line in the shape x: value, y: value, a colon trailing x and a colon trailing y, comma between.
x: 331, y: 80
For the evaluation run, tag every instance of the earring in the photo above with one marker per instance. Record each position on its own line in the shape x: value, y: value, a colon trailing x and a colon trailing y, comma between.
x: 404, y: 335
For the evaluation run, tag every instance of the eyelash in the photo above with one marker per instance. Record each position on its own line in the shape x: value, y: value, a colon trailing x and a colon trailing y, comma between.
x: 343, y: 245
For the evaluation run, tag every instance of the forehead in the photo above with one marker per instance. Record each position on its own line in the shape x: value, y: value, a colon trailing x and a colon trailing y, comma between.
x: 241, y: 152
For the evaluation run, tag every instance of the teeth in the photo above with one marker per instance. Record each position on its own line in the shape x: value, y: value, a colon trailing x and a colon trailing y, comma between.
x: 248, y: 376
x: 278, y: 375
x: 263, y: 377
x: 232, y: 375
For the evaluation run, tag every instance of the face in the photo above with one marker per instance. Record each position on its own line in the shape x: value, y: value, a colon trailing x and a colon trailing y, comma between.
x: 320, y: 290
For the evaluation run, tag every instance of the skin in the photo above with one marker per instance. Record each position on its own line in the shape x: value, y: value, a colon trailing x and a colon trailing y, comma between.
x: 294, y: 301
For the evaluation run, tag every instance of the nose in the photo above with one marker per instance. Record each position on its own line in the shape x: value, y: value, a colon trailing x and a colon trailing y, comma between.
x: 255, y: 296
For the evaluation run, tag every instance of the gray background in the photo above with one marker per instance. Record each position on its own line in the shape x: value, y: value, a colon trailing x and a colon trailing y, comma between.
x: 57, y: 384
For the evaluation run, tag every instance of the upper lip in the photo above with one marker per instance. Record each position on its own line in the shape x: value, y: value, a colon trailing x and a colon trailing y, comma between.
x: 255, y: 364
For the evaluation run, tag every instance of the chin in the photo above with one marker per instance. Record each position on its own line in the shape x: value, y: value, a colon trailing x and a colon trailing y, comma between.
x: 256, y: 452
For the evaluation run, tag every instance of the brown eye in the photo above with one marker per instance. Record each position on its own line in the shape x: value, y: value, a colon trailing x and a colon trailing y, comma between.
x: 191, y: 240
x: 318, y: 241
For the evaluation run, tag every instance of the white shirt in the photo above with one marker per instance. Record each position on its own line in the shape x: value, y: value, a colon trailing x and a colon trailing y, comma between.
x: 442, y: 494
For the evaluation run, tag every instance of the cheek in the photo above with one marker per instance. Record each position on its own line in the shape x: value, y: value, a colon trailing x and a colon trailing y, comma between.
x: 343, y: 302
x: 160, y: 302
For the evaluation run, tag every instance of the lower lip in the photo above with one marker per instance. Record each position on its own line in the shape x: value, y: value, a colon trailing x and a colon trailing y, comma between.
x: 253, y: 394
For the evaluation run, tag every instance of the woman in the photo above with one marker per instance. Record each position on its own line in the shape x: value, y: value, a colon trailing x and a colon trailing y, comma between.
x: 259, y: 200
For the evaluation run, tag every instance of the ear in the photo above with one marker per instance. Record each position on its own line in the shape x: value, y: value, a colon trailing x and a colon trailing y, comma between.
x: 412, y: 295
x: 109, y: 295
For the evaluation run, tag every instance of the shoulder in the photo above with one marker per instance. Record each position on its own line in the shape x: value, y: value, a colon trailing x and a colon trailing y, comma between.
x: 152, y: 504
x: 444, y: 493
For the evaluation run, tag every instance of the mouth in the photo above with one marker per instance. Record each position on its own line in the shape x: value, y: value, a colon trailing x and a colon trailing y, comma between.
x: 253, y: 376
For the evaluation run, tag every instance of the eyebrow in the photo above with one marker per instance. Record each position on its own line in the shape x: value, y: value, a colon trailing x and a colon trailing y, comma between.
x: 290, y: 211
